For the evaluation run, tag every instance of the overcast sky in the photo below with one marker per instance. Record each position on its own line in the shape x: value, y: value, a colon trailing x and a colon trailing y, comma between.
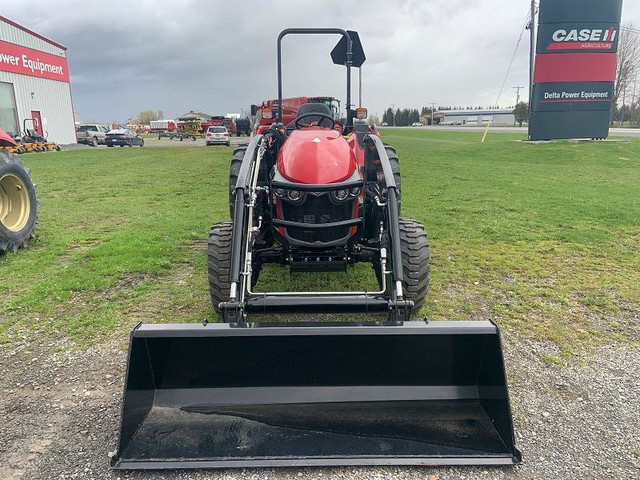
x: 220, y: 56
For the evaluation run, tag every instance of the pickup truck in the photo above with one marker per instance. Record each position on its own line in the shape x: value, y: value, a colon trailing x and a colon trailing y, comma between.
x: 91, y: 134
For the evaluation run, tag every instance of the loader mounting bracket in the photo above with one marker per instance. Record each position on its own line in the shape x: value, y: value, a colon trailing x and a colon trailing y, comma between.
x: 399, y: 311
x: 232, y: 312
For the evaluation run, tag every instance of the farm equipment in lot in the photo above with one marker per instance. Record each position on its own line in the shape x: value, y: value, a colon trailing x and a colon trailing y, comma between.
x: 243, y: 126
x: 168, y: 129
x: 220, y: 121
x: 189, y: 126
x: 383, y: 391
x: 34, y: 142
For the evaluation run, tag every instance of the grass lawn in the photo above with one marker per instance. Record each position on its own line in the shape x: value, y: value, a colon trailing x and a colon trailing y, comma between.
x: 542, y: 238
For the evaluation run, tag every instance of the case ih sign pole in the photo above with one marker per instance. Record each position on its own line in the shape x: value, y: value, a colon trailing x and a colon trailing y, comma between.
x: 575, y: 67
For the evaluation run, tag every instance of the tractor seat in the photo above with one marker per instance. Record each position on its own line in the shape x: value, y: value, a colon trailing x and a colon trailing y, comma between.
x: 313, y: 107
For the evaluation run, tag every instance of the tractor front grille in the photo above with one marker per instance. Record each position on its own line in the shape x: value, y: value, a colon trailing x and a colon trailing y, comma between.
x: 318, y: 210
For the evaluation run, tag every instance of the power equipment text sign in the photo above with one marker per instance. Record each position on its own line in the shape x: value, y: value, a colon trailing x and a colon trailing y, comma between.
x: 575, y: 67
x: 26, y: 61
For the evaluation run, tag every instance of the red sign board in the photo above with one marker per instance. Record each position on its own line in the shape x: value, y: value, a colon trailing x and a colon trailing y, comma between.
x: 26, y: 61
x: 575, y: 69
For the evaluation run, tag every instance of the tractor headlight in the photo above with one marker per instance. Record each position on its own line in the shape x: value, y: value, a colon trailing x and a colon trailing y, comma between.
x: 340, y: 195
x: 280, y: 192
x: 354, y: 192
x: 294, y: 195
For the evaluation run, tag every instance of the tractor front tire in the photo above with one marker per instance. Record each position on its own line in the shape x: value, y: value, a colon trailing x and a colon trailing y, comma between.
x: 415, y: 261
x: 18, y: 204
x: 234, y: 169
x: 219, y: 262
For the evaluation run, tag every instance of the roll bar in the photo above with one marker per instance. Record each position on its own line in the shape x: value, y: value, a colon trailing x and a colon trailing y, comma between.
x: 317, y: 31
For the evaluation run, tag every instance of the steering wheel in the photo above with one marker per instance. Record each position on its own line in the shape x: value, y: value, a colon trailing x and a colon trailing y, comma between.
x: 323, y: 117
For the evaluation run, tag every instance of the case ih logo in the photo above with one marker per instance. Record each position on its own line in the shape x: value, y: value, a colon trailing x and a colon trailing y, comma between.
x: 583, y: 39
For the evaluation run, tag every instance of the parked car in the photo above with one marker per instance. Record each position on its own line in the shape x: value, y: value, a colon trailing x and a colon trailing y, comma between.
x: 91, y: 134
x: 217, y: 136
x: 122, y: 137
x: 416, y: 124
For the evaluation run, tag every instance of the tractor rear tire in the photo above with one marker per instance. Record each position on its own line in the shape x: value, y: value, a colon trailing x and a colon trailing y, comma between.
x: 219, y: 262
x: 18, y: 204
x: 234, y: 169
x: 415, y: 261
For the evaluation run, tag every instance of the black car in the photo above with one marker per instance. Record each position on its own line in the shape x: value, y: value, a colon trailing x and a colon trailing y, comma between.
x: 122, y: 137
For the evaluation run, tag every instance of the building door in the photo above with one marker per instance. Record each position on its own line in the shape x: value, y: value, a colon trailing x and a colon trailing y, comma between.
x: 37, y: 122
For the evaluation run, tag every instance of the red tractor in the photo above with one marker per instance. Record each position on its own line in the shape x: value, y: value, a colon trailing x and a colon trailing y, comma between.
x: 265, y: 113
x: 377, y: 392
x: 316, y: 196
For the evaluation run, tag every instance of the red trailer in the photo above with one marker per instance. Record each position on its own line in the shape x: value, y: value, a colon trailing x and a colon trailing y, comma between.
x: 221, y: 121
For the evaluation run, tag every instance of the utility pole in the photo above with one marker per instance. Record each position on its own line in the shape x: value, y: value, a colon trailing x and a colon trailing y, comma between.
x: 517, y: 89
x: 433, y: 105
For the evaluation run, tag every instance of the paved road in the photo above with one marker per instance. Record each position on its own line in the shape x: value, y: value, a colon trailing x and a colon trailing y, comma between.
x: 165, y: 142
x: 617, y: 132
x: 235, y: 141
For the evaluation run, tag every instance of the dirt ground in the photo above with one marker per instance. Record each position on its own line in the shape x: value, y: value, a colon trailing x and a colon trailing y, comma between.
x: 60, y: 414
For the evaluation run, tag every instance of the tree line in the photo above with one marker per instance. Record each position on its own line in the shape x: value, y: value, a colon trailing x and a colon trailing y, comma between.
x: 406, y: 116
x: 401, y: 118
x: 625, y: 107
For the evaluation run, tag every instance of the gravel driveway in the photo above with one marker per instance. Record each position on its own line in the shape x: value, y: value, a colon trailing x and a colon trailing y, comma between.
x: 60, y: 414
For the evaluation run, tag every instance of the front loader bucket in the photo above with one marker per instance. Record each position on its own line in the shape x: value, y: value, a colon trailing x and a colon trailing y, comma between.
x: 223, y: 396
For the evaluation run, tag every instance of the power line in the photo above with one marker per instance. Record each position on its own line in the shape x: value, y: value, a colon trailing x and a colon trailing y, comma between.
x: 629, y: 29
x: 530, y: 15
x: 515, y: 51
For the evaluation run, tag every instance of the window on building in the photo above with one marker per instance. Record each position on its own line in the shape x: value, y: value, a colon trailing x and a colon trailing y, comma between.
x: 8, y: 111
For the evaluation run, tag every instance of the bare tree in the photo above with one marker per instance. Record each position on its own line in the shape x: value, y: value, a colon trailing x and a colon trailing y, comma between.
x: 628, y: 66
x: 145, y: 116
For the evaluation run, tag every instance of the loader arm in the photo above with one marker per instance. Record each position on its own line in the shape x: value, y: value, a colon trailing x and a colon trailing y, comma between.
x: 242, y: 301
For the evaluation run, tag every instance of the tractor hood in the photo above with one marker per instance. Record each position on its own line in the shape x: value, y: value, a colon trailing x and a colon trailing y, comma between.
x: 316, y: 156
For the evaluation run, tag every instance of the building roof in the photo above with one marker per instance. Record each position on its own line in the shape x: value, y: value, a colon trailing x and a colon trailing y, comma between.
x: 196, y: 116
x: 31, y: 32
x: 488, y: 111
